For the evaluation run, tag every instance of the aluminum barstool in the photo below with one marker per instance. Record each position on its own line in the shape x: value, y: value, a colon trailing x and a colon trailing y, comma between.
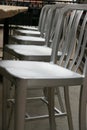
x: 50, y: 75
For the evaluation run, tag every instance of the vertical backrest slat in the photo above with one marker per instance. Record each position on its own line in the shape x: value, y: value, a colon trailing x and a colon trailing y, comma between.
x: 41, y: 17
x: 82, y: 51
x: 66, y: 40
x: 52, y: 20
x: 44, y: 19
x: 72, y: 37
x: 58, y: 30
x: 79, y: 42
x: 57, y: 36
x: 85, y: 67
x: 47, y: 22
x: 67, y: 25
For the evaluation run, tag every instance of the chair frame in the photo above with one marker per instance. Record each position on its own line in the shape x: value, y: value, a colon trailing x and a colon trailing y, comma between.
x: 58, y: 112
x: 44, y: 40
x: 20, y: 82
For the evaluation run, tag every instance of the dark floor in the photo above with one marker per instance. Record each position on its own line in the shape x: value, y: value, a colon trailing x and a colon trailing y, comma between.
x: 39, y: 107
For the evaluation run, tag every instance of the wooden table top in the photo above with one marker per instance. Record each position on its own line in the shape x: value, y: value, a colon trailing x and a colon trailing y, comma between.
x: 9, y: 11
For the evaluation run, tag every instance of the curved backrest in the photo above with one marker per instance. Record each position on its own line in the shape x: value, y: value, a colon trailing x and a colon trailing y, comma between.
x: 68, y: 42
x: 80, y: 52
x: 43, y: 17
x: 79, y: 60
x: 52, y: 17
x: 76, y: 34
x: 55, y: 15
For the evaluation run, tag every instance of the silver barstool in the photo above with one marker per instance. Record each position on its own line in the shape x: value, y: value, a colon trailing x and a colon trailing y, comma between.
x: 40, y: 30
x: 39, y: 53
x: 42, y: 53
x: 45, y: 30
x: 50, y: 75
x: 41, y: 22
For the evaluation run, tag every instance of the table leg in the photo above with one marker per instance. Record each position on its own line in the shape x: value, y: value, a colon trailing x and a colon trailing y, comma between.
x: 6, y: 31
x: 5, y: 86
x: 5, y: 34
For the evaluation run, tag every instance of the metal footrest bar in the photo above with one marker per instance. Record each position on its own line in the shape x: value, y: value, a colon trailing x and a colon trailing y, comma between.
x: 45, y: 101
x: 31, y: 98
x: 29, y: 118
x: 36, y: 98
x: 11, y: 100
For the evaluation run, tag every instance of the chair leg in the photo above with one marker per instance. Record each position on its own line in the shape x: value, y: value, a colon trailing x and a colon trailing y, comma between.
x: 51, y: 108
x: 60, y: 99
x: 10, y: 117
x: 68, y: 109
x: 5, y: 94
x: 45, y: 92
x: 82, y: 108
x: 20, y: 103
